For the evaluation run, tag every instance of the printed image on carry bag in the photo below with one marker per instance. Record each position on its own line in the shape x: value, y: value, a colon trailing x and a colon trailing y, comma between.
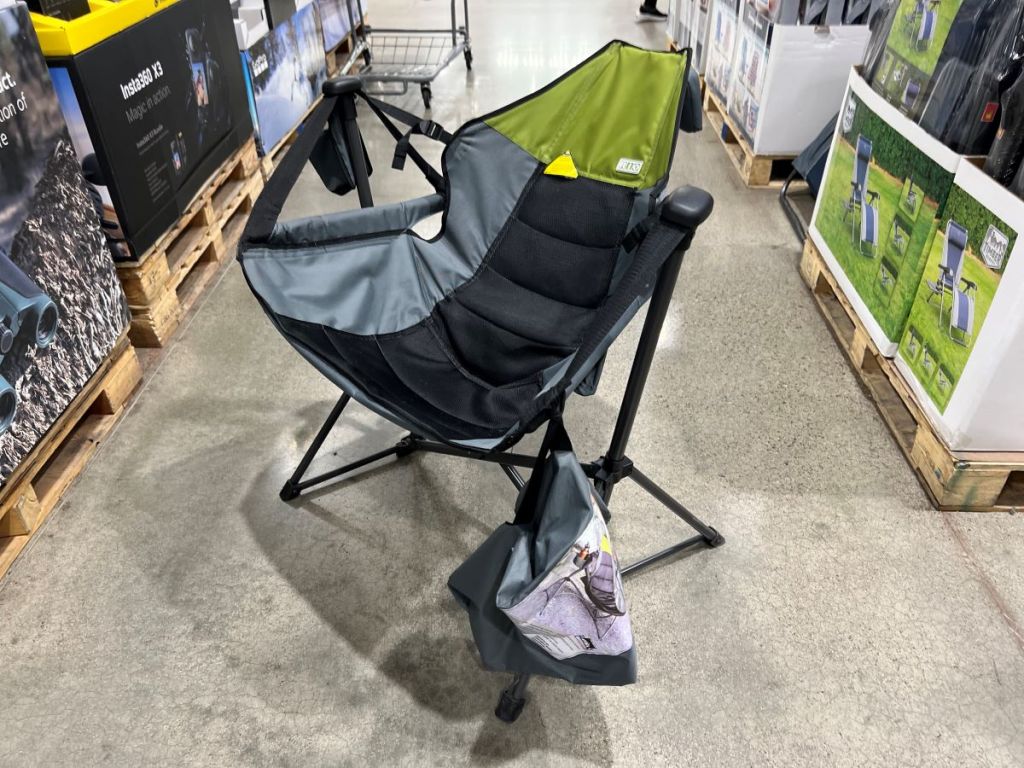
x: 544, y: 593
x: 579, y: 606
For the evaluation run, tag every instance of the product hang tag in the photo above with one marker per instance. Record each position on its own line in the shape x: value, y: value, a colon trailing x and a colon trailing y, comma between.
x: 562, y: 166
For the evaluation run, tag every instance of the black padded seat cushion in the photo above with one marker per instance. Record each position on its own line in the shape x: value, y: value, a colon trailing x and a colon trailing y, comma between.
x: 473, y: 368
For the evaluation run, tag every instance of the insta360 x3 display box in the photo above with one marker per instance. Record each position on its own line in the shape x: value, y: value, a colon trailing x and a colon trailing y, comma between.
x: 60, y: 9
x: 154, y: 110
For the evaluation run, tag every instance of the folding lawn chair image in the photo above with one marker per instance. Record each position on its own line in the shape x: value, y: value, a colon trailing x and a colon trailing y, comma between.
x: 961, y: 315
x: 910, y: 94
x: 950, y: 279
x: 862, y: 198
x: 554, y: 234
x: 911, y: 197
x: 921, y: 21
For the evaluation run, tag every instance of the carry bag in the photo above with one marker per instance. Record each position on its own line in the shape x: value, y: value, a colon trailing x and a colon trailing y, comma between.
x: 544, y: 593
x: 331, y: 159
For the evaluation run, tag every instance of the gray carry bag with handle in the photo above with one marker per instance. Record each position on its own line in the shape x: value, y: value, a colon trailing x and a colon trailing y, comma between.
x: 544, y: 593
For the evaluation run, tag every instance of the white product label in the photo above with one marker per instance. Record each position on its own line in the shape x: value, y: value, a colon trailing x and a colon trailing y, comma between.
x: 630, y: 166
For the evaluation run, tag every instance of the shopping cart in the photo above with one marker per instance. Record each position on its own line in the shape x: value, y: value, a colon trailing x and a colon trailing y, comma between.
x: 404, y: 56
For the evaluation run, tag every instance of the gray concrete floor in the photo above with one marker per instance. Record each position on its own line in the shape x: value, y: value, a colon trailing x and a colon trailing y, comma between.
x: 174, y: 612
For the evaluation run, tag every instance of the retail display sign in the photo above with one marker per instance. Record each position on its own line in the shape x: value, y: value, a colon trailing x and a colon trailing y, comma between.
x: 154, y: 111
x: 62, y: 309
x: 285, y: 72
x: 963, y: 348
x: 879, y: 211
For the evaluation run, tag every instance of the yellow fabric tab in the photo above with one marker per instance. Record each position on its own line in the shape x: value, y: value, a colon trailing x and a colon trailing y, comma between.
x: 562, y: 166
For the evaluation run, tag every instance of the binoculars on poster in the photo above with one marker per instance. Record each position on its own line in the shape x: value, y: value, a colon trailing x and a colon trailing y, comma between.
x: 25, y: 312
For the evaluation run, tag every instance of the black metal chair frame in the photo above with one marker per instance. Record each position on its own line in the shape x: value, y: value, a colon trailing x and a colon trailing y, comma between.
x: 607, y: 471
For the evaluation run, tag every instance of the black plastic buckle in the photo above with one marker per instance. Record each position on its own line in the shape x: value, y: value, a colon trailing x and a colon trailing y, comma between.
x: 431, y: 130
x: 612, y: 472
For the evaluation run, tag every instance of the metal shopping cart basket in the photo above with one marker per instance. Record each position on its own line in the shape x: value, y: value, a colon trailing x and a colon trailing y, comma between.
x: 394, y: 58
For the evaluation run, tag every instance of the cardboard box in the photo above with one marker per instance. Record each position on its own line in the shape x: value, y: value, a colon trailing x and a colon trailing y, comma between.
x: 690, y: 27
x: 154, y: 110
x: 337, y: 17
x: 963, y: 348
x: 285, y: 72
x: 61, y: 305
x: 787, y: 81
x: 877, y: 213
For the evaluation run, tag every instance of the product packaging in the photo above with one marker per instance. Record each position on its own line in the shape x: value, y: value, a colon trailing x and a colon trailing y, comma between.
x: 775, y: 70
x: 62, y: 309
x: 338, y: 18
x: 154, y: 110
x: 878, y: 212
x: 963, y: 348
x: 692, y: 29
x: 285, y: 72
x: 722, y: 44
x: 946, y: 64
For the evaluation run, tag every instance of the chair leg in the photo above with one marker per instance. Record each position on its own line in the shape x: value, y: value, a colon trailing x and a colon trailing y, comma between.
x: 512, y: 699
x: 707, y: 536
x: 296, y: 485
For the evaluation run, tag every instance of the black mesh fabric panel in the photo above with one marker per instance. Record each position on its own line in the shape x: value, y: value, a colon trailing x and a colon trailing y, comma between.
x: 550, y: 268
x: 474, y: 367
x: 580, y: 210
x: 559, y: 269
x: 360, y: 359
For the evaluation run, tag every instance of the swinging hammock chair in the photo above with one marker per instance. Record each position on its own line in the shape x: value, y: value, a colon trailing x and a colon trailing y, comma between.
x: 554, y: 235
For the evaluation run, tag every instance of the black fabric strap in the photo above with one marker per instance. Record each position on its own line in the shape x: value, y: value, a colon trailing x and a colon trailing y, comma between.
x: 636, y: 235
x: 382, y: 110
x: 408, y: 118
x: 555, y: 439
x: 417, y: 126
x: 427, y: 128
x: 268, y: 207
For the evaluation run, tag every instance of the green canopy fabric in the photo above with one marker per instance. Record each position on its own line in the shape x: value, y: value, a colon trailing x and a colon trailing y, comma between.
x: 612, y: 114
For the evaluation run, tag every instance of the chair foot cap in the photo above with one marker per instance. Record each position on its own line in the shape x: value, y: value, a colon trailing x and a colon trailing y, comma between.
x: 717, y: 541
x: 290, y: 491
x: 509, y: 707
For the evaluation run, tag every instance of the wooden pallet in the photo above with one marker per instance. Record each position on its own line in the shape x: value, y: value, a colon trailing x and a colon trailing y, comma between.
x: 977, y: 481
x: 42, y: 479
x: 337, y: 57
x: 755, y: 170
x: 167, y: 280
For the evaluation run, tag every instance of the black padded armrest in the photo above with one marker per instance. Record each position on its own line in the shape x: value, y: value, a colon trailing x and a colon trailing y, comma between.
x: 687, y: 207
x: 338, y: 86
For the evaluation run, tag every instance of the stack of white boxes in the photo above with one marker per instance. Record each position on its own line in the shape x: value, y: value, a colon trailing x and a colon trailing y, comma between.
x: 779, y: 82
x: 250, y: 21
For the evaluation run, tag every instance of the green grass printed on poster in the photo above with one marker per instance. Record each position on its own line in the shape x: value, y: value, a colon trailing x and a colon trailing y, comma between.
x: 889, y: 307
x: 937, y: 360
x: 903, y: 37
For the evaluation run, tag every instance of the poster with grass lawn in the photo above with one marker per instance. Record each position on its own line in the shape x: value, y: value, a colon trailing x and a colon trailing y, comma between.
x: 962, y: 272
x: 912, y: 51
x: 877, y: 213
